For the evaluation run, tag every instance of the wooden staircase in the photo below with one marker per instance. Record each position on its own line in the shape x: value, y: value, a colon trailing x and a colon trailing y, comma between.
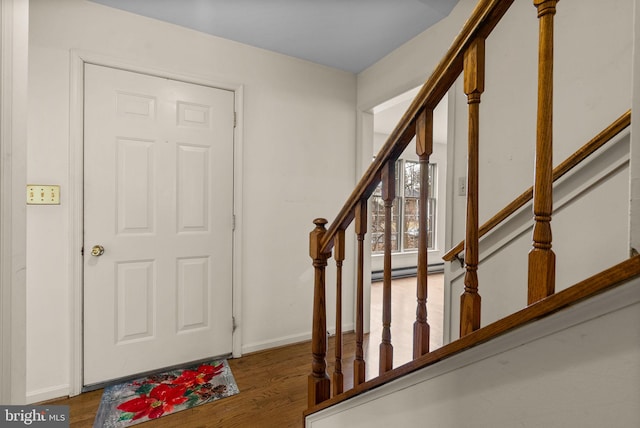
x: 466, y: 57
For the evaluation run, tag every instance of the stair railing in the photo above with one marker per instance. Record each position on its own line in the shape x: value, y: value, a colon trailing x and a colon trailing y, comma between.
x: 466, y: 56
x: 559, y: 171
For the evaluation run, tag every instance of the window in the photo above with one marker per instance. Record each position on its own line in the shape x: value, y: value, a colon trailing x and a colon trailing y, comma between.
x: 405, y: 212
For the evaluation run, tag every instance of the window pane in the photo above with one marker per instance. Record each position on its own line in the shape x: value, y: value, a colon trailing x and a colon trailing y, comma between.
x: 378, y: 224
x: 395, y: 230
x: 406, y: 231
x: 411, y: 211
x: 377, y: 217
x: 432, y: 180
x: 431, y: 222
x: 410, y: 224
x: 411, y: 179
x: 431, y: 207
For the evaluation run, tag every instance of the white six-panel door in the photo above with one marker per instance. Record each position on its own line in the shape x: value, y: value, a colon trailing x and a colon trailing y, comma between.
x: 158, y: 198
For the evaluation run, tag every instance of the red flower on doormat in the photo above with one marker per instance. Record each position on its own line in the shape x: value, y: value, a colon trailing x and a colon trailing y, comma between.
x: 154, y: 399
x: 161, y: 399
x: 160, y: 394
x: 201, y: 376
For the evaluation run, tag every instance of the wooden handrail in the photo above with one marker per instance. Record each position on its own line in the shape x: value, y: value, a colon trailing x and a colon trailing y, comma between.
x: 603, y: 281
x: 484, y: 18
x: 571, y: 162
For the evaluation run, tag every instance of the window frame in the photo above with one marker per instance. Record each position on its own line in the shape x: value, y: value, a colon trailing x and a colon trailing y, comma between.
x: 399, y: 210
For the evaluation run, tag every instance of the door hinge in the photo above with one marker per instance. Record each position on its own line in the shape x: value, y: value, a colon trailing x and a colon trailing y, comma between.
x: 235, y: 119
x: 234, y: 325
x: 82, y: 251
x: 233, y: 222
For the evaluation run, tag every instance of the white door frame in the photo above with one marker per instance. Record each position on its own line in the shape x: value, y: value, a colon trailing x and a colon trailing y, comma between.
x: 14, y: 46
x: 76, y: 174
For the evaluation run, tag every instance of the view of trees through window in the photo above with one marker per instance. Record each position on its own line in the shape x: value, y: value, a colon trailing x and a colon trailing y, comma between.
x: 406, y: 210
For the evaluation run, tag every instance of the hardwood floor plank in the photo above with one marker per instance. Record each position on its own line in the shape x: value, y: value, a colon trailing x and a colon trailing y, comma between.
x: 404, y: 315
x: 272, y: 383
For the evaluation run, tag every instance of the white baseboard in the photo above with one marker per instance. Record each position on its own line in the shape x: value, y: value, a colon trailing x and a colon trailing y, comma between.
x: 274, y: 343
x: 46, y: 394
x: 286, y: 340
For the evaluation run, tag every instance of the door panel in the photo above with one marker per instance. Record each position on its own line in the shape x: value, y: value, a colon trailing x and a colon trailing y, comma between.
x: 158, y: 194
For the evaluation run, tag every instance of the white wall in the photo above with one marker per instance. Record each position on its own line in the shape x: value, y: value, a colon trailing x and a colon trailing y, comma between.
x: 295, y: 168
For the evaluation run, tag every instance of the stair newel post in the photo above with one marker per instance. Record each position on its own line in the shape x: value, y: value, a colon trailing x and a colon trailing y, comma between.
x: 542, y: 260
x: 338, y: 377
x: 388, y: 196
x: 318, y: 382
x: 424, y: 149
x: 361, y: 230
x: 473, y: 87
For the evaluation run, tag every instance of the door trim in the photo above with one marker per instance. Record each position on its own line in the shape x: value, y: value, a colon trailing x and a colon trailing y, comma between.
x: 14, y: 17
x: 76, y: 201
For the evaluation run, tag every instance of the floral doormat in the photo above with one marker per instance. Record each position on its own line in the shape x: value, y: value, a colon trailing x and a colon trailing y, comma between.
x: 157, y: 395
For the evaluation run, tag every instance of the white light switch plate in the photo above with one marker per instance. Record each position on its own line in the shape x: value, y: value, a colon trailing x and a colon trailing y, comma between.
x: 462, y: 186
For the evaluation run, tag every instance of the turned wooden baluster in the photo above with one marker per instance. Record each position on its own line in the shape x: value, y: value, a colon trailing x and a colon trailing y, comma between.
x: 424, y: 148
x: 473, y: 88
x: 542, y: 260
x: 338, y: 377
x: 318, y: 381
x: 388, y: 196
x: 361, y: 230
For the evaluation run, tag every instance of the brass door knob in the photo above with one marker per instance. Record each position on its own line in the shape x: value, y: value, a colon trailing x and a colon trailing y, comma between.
x: 97, y: 250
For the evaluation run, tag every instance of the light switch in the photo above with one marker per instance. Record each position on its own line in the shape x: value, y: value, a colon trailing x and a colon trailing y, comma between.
x: 462, y: 186
x: 38, y: 194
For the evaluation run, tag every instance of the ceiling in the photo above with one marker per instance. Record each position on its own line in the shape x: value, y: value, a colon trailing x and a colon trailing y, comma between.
x: 349, y: 35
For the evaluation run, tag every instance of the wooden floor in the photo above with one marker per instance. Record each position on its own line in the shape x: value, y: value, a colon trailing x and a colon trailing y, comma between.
x: 273, y: 383
x: 273, y: 393
x: 403, y: 315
